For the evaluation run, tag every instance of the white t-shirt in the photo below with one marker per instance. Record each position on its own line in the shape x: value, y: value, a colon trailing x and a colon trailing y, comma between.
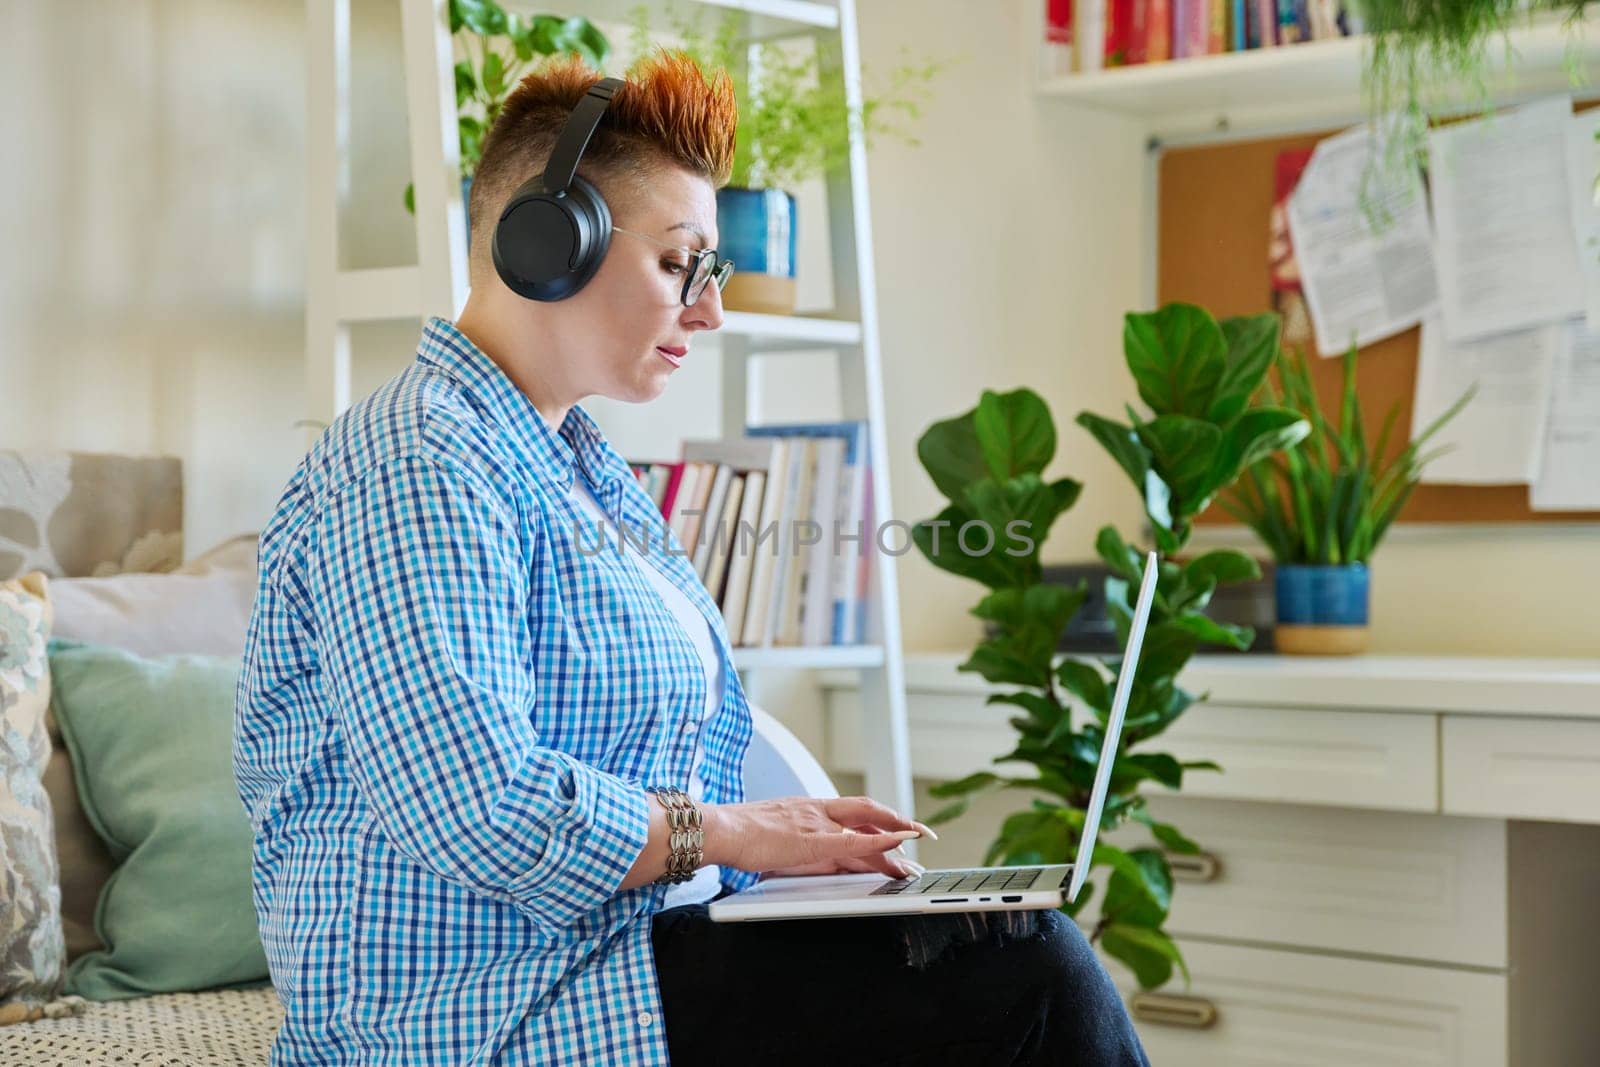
x: 707, y: 880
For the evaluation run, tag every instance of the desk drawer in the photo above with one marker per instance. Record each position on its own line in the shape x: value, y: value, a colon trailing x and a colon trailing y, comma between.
x: 1392, y: 884
x: 1522, y: 768
x: 1292, y: 755
x: 1289, y: 1009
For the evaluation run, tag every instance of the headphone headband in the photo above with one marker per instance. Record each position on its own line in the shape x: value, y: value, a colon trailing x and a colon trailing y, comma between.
x: 575, y: 136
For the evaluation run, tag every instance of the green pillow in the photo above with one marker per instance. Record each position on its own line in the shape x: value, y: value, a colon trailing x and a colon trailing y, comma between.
x: 151, y: 742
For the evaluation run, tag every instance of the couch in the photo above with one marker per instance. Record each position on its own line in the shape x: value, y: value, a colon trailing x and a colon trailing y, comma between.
x: 107, y: 530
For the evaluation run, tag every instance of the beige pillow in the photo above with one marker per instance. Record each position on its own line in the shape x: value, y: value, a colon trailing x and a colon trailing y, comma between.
x: 203, y: 608
x: 31, y: 949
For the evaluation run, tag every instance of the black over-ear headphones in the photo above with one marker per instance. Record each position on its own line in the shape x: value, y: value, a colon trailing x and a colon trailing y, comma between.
x: 555, y: 229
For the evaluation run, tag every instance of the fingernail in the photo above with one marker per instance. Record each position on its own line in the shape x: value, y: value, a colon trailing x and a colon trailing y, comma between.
x: 927, y: 831
x: 913, y: 865
x: 905, y: 835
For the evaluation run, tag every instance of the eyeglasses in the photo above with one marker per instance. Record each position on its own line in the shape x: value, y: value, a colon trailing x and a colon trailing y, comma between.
x: 704, y: 267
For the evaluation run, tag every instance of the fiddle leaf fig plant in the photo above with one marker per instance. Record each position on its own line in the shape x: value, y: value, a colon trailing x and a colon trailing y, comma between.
x: 1198, y: 431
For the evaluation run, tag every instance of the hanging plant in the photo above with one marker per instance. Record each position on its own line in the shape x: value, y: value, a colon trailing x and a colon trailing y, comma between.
x: 1422, y: 52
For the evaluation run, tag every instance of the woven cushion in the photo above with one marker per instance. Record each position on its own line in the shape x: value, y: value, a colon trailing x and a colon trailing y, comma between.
x: 224, y: 1028
x: 31, y: 951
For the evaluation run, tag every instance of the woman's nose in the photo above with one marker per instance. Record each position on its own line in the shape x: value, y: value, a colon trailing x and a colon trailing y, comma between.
x: 706, y: 312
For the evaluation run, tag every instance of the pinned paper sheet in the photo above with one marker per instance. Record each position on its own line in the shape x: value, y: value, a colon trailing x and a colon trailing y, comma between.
x: 1583, y: 195
x: 1362, y: 284
x: 1507, y: 257
x: 1570, y: 476
x: 1498, y: 438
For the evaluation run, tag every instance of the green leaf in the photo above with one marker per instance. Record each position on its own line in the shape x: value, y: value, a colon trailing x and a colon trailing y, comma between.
x: 1167, y: 648
x: 1123, y: 444
x: 1201, y: 765
x: 1159, y: 766
x: 483, y: 17
x: 1177, y: 355
x: 1257, y: 434
x: 1124, y: 562
x: 1040, y: 707
x: 1183, y: 451
x: 949, y: 451
x: 1252, y: 345
x: 1015, y: 433
x: 939, y: 544
x: 466, y: 83
x: 1171, y: 838
x: 971, y: 783
x: 997, y: 663
x: 411, y: 199
x: 1085, y: 682
x: 1209, y: 631
x: 1221, y: 566
x: 493, y: 75
x: 1016, y: 508
x: 1149, y: 953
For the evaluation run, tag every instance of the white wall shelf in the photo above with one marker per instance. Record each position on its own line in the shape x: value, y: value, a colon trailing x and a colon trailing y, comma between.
x: 1296, y: 84
x: 762, y: 19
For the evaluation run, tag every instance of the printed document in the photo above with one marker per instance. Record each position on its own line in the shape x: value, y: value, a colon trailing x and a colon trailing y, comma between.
x: 1363, y: 282
x: 1498, y: 438
x: 1583, y: 194
x: 1506, y: 251
x: 1570, y: 478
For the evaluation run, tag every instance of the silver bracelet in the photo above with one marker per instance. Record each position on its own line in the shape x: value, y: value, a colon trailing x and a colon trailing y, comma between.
x: 686, y: 845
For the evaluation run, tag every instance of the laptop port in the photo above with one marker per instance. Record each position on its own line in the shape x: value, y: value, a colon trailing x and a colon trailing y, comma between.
x: 1012, y: 900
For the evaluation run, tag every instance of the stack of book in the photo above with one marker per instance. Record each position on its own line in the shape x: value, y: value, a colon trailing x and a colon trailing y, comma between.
x: 1090, y: 35
x: 778, y: 525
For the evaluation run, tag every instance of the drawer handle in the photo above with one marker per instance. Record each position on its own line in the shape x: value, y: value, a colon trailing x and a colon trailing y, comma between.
x: 1167, y: 1009
x: 1194, y: 866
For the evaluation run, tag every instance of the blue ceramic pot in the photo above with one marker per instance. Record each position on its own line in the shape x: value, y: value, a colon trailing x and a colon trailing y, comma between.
x: 1322, y: 610
x: 757, y: 230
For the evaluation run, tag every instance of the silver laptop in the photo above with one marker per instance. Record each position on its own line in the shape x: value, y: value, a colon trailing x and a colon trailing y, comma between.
x: 967, y: 889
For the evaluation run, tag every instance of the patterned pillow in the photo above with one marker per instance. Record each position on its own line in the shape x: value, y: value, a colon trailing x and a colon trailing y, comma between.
x: 31, y: 948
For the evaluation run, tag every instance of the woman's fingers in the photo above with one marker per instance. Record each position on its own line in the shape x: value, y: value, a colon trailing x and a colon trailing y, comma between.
x: 856, y: 811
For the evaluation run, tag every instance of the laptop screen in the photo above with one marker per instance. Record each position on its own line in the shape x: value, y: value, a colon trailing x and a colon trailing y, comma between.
x: 1119, y: 710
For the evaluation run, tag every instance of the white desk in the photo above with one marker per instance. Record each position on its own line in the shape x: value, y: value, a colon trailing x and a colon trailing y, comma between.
x: 1408, y: 853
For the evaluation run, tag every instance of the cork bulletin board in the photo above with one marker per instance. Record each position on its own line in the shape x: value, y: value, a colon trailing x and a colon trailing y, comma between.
x: 1214, y: 204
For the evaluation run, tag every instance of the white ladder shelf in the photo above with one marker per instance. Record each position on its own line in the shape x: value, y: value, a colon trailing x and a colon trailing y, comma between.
x: 437, y: 285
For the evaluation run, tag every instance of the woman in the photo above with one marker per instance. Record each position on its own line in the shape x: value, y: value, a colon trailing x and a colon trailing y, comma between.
x: 455, y: 717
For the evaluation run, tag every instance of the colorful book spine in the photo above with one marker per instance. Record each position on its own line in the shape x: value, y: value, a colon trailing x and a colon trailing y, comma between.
x: 1119, y: 32
x: 1266, y: 23
x: 1237, y: 26
x: 1216, y: 27
x: 1158, y: 23
x: 1056, y: 56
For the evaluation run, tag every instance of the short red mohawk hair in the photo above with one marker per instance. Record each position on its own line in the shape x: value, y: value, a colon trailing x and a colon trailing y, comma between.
x: 666, y: 114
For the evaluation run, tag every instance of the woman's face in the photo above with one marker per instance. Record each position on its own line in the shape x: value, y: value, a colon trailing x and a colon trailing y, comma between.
x: 633, y: 330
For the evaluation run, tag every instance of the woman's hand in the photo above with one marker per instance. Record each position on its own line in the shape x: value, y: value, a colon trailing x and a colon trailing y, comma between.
x: 809, y: 835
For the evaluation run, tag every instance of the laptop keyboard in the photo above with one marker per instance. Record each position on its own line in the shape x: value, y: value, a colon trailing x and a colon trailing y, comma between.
x: 1010, y: 879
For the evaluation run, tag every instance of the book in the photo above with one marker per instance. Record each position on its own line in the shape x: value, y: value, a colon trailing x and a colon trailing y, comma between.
x: 1264, y: 21
x: 783, y: 614
x: 741, y: 455
x: 1216, y: 26
x: 710, y: 534
x: 1089, y: 36
x: 1055, y: 56
x: 766, y: 548
x: 821, y: 558
x: 1158, y: 31
x: 741, y: 561
x: 1118, y: 32
x: 852, y: 520
x: 1237, y: 25
x: 725, y: 538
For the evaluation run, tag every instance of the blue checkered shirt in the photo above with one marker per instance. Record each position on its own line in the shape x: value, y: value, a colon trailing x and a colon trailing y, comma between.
x: 449, y: 711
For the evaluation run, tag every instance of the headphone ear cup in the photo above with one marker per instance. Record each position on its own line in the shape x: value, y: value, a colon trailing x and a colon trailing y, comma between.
x: 546, y: 246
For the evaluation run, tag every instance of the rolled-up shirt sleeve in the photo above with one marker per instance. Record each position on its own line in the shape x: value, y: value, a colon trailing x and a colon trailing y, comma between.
x: 426, y: 651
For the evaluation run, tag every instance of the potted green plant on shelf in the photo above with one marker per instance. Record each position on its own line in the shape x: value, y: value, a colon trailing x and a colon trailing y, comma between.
x: 1197, y: 379
x: 794, y: 125
x: 498, y: 47
x: 1323, y: 506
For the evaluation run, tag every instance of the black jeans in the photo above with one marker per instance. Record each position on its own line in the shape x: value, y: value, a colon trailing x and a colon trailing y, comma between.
x: 999, y: 988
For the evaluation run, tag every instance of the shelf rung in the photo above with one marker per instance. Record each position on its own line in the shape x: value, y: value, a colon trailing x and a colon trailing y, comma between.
x: 379, y: 293
x: 788, y: 332
x: 815, y: 657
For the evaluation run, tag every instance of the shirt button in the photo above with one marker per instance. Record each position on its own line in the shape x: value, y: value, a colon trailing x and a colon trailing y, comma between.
x: 646, y: 1019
